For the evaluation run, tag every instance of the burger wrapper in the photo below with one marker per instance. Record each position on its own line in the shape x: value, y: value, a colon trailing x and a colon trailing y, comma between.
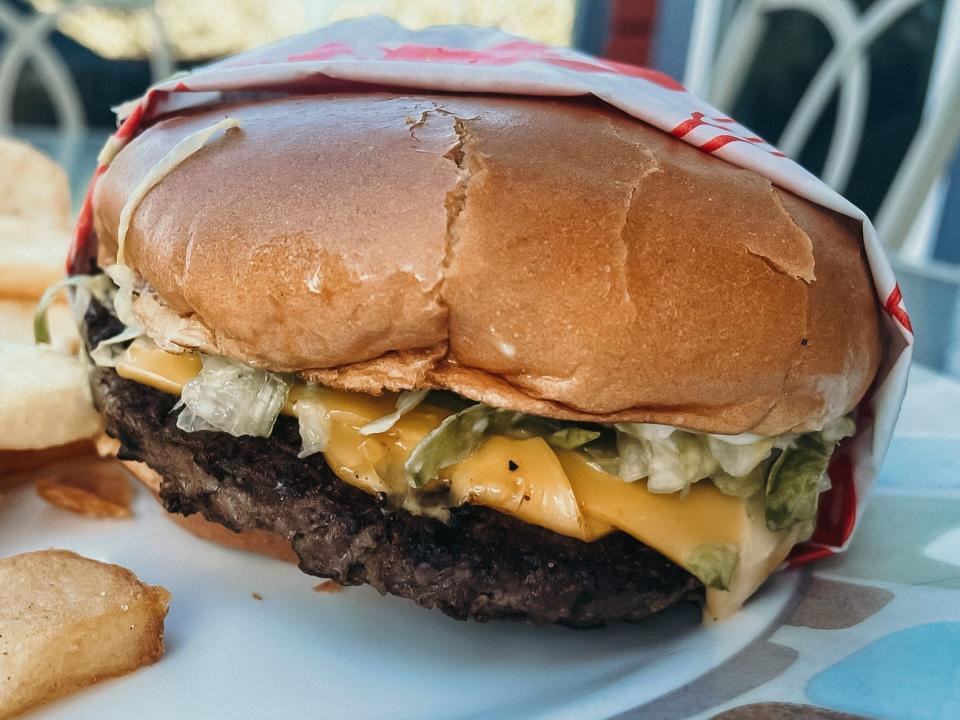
x: 377, y: 52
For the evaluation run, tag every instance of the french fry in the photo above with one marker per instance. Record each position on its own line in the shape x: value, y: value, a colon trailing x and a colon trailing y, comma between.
x: 16, y: 324
x: 44, y: 399
x: 32, y: 186
x: 67, y: 622
x: 95, y: 487
x: 20, y: 466
x: 32, y: 257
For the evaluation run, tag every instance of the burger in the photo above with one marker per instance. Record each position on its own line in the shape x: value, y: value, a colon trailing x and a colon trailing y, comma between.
x: 507, y: 357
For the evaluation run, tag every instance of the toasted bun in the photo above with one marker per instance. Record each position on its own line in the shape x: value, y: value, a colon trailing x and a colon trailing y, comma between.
x: 258, y: 541
x: 555, y: 257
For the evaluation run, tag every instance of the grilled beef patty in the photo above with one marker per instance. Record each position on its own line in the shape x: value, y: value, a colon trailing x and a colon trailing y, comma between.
x: 482, y: 564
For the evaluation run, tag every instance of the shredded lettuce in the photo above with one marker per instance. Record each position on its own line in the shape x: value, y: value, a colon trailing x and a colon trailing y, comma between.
x: 87, y: 287
x: 406, y: 402
x: 107, y: 351
x: 459, y: 435
x: 188, y: 421
x: 739, y: 459
x: 793, y: 484
x: 452, y: 441
x: 836, y: 430
x: 670, y: 459
x: 674, y: 458
x: 126, y: 281
x: 745, y: 486
x: 232, y: 397
x: 634, y: 457
x: 314, y: 422
x: 713, y: 564
x: 570, y: 438
x: 799, y: 475
x: 603, y: 454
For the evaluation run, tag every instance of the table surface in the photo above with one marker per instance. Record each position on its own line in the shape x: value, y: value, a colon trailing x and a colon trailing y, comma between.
x: 875, y: 632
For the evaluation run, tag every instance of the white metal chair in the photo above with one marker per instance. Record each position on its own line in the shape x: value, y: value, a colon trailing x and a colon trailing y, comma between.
x: 26, y: 37
x: 716, y: 68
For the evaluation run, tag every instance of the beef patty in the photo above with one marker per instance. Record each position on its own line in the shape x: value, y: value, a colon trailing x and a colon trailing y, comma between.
x: 482, y: 564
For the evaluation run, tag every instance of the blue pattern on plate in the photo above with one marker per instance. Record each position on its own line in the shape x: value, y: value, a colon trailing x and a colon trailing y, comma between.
x: 913, y: 673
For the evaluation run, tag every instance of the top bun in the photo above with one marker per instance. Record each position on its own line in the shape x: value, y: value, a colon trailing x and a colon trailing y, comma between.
x: 552, y: 256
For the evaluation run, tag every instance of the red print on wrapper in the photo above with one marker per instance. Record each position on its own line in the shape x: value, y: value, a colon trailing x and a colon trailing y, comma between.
x: 508, y: 53
x: 327, y: 51
x: 894, y: 308
x: 522, y: 51
x: 698, y: 120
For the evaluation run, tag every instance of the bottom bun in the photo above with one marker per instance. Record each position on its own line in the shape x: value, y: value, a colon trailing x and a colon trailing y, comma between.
x: 258, y: 541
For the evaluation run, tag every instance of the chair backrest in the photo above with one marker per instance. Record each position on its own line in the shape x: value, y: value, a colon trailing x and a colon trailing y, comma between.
x: 27, y: 37
x: 717, y: 66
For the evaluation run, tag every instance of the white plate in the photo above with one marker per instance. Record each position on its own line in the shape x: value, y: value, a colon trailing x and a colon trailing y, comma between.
x: 298, y: 653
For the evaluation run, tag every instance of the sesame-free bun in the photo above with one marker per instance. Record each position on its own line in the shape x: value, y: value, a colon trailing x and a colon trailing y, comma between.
x: 553, y: 256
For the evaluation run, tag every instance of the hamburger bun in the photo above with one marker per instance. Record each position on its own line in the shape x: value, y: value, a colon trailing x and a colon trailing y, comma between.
x: 554, y: 257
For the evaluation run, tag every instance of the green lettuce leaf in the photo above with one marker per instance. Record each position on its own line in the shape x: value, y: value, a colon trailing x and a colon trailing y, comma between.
x: 314, y: 422
x: 452, y: 441
x: 713, y: 564
x: 571, y: 438
x: 406, y: 402
x: 232, y: 397
x: 741, y: 487
x: 459, y: 435
x: 793, y: 484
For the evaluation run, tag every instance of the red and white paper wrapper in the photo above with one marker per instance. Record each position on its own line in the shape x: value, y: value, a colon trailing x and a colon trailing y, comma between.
x: 378, y: 52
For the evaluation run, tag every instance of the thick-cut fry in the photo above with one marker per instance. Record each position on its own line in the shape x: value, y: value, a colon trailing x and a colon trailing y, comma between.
x: 32, y: 185
x: 95, y: 487
x: 16, y: 324
x: 32, y: 257
x: 44, y: 399
x: 19, y: 466
x: 67, y: 622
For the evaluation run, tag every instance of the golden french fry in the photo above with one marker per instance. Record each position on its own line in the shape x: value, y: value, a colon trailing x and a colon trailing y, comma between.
x: 32, y: 186
x: 44, y: 399
x: 32, y: 256
x: 20, y: 466
x: 68, y: 622
x: 95, y: 487
x: 16, y: 324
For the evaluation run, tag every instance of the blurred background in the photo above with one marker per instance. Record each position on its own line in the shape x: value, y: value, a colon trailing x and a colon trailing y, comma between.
x: 864, y: 93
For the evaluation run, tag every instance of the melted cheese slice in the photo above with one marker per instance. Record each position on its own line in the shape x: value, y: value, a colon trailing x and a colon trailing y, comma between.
x: 675, y: 525
x: 525, y: 478
x: 147, y: 364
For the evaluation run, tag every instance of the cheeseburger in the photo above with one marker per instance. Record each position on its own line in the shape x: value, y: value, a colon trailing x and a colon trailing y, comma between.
x: 507, y: 357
